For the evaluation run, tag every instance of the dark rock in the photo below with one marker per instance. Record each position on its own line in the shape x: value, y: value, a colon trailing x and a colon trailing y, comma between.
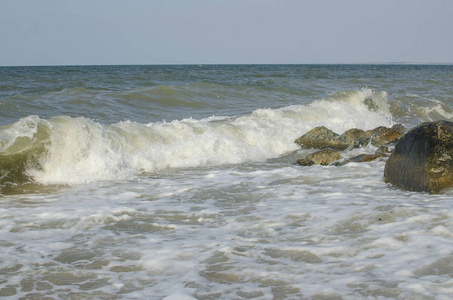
x: 422, y: 159
x: 323, y: 157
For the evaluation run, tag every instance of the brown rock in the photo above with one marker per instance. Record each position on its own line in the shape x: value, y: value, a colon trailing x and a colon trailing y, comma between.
x: 321, y: 138
x: 400, y: 129
x: 324, y: 138
x: 367, y: 157
x: 354, y: 137
x: 317, y: 138
x: 323, y: 157
x: 423, y: 158
x: 384, y: 135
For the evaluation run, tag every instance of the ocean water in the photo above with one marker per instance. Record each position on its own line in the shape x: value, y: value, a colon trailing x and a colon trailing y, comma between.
x: 180, y: 182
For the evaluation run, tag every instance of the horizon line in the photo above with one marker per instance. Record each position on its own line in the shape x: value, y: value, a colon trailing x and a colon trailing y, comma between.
x: 233, y: 64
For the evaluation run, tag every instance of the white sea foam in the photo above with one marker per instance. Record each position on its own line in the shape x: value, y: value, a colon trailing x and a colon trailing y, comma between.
x: 83, y: 151
x: 238, y: 232
x: 24, y: 128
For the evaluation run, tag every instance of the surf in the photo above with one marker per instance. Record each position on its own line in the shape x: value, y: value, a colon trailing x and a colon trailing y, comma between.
x: 76, y: 150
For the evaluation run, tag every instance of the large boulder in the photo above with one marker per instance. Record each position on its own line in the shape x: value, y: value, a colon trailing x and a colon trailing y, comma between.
x: 423, y: 158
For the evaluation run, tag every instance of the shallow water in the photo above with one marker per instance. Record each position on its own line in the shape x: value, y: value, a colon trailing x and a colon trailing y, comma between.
x: 179, y: 182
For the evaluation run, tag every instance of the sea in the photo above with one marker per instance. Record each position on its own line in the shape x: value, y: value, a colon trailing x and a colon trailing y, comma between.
x: 180, y: 182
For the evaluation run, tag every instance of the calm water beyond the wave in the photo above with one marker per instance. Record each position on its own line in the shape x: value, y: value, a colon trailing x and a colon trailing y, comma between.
x: 180, y: 182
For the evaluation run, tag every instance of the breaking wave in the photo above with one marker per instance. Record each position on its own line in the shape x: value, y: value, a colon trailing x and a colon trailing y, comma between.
x: 68, y: 150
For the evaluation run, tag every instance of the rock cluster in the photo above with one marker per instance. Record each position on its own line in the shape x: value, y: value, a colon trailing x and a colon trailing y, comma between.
x: 330, y: 143
x: 423, y: 158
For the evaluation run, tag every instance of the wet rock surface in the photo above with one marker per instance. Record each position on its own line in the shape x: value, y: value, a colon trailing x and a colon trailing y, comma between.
x: 423, y: 159
x: 367, y: 157
x: 324, y: 157
x: 419, y: 160
x: 323, y: 139
x: 383, y: 135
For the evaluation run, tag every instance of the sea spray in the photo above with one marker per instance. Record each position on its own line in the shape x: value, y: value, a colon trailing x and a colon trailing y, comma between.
x: 80, y: 150
x: 22, y: 144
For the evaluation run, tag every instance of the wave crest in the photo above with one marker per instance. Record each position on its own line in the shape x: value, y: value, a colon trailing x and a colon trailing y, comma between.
x: 66, y: 150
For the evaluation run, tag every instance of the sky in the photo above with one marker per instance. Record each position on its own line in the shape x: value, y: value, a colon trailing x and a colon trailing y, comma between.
x: 115, y: 32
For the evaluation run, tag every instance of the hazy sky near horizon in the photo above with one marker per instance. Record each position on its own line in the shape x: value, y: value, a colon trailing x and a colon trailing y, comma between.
x: 98, y: 32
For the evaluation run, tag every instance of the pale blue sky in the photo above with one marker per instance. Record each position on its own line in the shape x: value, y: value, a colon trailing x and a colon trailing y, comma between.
x: 60, y: 32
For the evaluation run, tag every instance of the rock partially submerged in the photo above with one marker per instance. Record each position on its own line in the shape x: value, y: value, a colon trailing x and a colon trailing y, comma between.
x: 324, y: 157
x: 322, y: 138
x: 423, y: 158
x: 354, y: 138
x: 384, y: 135
x: 367, y: 157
